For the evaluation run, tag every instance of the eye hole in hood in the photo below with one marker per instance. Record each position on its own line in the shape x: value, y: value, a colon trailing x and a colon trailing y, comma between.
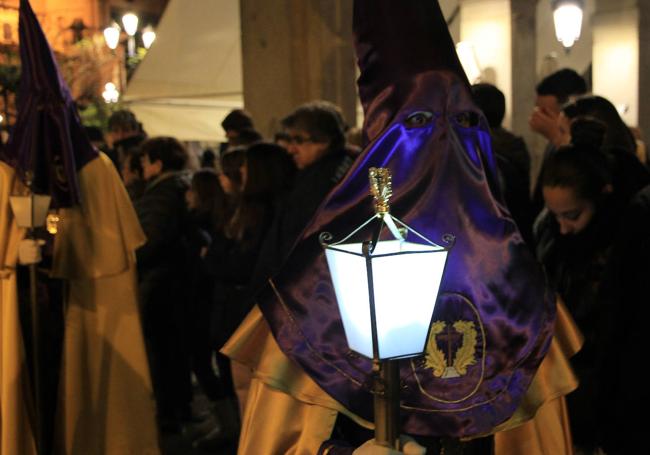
x: 418, y: 119
x: 467, y: 119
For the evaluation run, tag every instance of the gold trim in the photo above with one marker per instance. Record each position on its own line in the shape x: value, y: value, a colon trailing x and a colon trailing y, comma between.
x: 483, y: 355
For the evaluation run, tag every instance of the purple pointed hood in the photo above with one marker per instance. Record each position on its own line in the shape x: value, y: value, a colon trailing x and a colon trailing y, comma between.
x: 47, y: 139
x: 494, y: 317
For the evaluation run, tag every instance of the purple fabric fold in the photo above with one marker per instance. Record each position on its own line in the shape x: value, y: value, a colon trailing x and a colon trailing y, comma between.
x: 47, y: 138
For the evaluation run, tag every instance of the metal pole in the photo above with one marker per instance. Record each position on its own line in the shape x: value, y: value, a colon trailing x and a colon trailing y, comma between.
x: 36, y: 358
x: 386, y: 403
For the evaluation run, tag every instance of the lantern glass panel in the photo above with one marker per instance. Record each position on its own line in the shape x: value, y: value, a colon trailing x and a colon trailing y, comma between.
x: 406, y: 280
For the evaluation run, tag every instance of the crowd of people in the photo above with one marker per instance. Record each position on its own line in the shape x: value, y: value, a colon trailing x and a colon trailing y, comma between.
x: 201, y: 242
x: 587, y: 222
x: 214, y: 234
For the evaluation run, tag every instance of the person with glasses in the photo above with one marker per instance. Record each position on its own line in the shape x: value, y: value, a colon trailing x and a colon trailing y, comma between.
x: 315, y: 135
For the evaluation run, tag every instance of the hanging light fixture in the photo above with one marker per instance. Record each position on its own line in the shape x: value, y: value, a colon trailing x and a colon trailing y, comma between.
x: 467, y: 56
x: 112, y: 36
x: 567, y: 16
x: 148, y: 36
x: 130, y: 23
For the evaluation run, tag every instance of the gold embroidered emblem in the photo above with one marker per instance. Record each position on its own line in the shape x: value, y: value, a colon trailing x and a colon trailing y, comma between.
x: 444, y: 366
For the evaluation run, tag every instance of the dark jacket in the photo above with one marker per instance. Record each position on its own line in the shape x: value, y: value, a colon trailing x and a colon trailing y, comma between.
x: 622, y: 337
x: 162, y: 212
x: 576, y: 267
x: 311, y: 186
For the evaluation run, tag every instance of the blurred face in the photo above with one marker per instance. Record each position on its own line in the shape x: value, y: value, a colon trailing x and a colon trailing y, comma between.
x: 303, y: 149
x: 572, y: 213
x: 190, y: 199
x: 548, y: 103
x: 149, y: 169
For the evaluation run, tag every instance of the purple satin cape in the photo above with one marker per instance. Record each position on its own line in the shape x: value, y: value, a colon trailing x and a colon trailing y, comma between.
x: 48, y: 138
x: 444, y: 182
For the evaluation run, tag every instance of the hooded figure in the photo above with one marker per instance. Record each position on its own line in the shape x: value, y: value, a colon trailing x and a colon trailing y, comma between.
x: 105, y: 403
x: 497, y: 312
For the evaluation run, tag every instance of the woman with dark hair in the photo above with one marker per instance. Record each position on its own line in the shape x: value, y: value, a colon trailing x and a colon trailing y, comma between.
x: 230, y: 176
x: 593, y: 120
x: 617, y: 134
x: 574, y: 239
x: 265, y: 174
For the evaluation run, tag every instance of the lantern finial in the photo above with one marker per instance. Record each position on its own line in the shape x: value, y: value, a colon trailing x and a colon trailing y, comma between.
x: 381, y: 188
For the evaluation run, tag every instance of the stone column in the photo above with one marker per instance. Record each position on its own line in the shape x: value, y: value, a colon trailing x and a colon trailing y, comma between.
x: 294, y: 51
x: 524, y: 73
x: 644, y: 68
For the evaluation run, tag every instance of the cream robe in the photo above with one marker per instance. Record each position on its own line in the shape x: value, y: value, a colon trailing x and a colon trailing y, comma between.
x: 106, y: 405
x: 16, y: 435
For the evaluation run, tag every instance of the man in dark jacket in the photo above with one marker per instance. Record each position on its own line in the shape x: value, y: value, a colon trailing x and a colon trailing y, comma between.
x: 513, y: 159
x: 161, y: 211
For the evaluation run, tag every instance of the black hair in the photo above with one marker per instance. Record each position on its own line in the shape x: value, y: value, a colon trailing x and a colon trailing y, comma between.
x: 270, y: 171
x: 208, y: 158
x: 617, y: 134
x: 94, y: 133
x: 210, y: 198
x: 237, y: 120
x: 123, y: 120
x: 247, y: 136
x: 167, y: 150
x: 562, y: 84
x: 322, y: 120
x: 583, y: 169
x: 491, y: 101
x: 231, y: 163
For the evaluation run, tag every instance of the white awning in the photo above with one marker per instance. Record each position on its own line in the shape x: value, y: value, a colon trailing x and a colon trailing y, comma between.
x: 192, y: 75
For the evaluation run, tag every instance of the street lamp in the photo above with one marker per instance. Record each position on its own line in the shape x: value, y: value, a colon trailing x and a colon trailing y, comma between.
x: 567, y: 16
x: 112, y: 36
x: 130, y: 23
x: 110, y: 93
x: 386, y: 292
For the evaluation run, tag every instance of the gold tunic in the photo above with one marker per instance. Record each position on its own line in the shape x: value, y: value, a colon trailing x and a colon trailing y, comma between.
x: 106, y: 404
x: 16, y: 435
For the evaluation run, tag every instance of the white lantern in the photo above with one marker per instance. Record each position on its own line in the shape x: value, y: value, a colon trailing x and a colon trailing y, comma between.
x: 386, y: 290
x: 567, y: 16
x: 387, y: 297
x: 30, y: 211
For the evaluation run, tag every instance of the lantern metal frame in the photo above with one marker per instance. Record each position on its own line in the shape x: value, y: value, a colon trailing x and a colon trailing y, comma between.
x: 386, y: 377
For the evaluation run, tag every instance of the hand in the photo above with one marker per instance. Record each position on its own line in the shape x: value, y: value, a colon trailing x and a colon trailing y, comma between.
x: 409, y: 447
x: 545, y: 123
x: 29, y: 251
